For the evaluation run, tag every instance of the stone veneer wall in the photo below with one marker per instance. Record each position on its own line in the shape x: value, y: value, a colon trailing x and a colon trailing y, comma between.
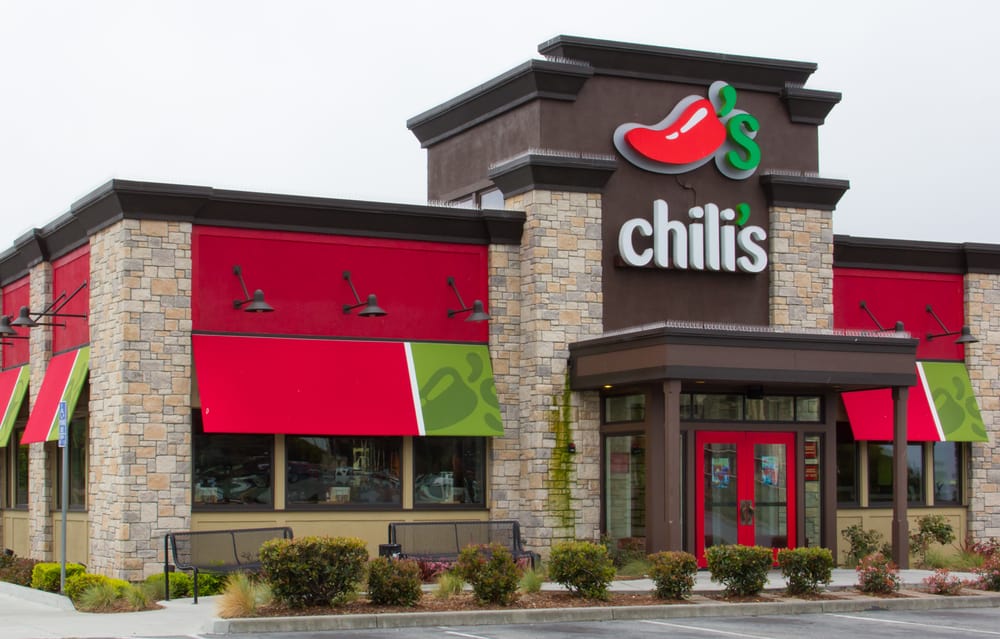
x: 801, y: 268
x: 40, y: 469
x: 982, y: 312
x: 545, y: 296
x: 140, y: 394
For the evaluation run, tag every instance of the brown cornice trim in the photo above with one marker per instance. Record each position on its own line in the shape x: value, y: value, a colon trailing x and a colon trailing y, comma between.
x: 124, y: 199
x: 679, y: 65
x: 535, y: 79
x: 848, y: 381
x: 982, y: 258
x: 533, y: 171
x: 898, y: 255
x: 809, y: 106
x: 803, y: 192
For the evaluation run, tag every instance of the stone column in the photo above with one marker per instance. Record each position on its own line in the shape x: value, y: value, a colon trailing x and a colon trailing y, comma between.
x: 41, y: 477
x: 982, y: 312
x: 801, y: 267
x: 140, y: 376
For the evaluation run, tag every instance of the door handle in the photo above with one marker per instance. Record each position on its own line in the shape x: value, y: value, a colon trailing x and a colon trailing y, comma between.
x: 746, y: 513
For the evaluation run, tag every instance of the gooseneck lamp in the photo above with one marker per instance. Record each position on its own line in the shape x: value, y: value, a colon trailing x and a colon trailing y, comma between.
x: 27, y: 318
x: 250, y: 304
x: 864, y: 307
x: 371, y: 307
x: 964, y: 334
x: 476, y: 311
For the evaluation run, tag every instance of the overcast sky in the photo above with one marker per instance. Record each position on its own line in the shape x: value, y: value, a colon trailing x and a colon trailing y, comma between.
x: 311, y: 98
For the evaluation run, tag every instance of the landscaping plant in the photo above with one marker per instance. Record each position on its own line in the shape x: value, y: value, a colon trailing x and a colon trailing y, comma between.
x: 877, y: 575
x: 47, y: 575
x: 18, y: 571
x: 742, y: 570
x: 81, y: 581
x: 862, y: 543
x: 806, y: 569
x: 180, y: 585
x: 989, y: 572
x: 943, y: 582
x: 242, y: 596
x: 394, y: 582
x: 673, y: 574
x: 492, y: 572
x: 313, y: 571
x: 449, y: 583
x: 930, y: 529
x: 585, y: 568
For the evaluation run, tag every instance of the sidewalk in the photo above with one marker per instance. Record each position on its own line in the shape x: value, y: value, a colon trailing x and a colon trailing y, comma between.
x: 31, y: 614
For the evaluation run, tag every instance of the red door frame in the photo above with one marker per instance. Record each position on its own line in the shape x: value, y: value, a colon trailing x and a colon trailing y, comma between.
x: 745, y: 442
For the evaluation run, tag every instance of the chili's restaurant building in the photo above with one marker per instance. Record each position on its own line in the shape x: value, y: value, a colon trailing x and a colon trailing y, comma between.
x: 628, y: 317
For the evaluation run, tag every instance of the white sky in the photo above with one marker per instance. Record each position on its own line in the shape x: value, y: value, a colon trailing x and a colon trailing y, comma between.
x: 311, y: 97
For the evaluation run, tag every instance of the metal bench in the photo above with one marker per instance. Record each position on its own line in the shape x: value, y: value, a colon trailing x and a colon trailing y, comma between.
x: 444, y: 540
x: 218, y: 551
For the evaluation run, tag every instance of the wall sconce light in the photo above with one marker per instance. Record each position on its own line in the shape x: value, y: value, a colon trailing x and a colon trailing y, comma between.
x: 371, y: 307
x: 571, y: 447
x: 899, y: 325
x: 477, y: 314
x: 24, y: 316
x: 255, y: 304
x: 965, y: 335
x: 7, y: 332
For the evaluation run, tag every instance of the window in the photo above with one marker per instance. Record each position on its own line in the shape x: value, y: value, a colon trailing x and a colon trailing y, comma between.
x: 947, y: 473
x: 760, y: 408
x: 19, y: 464
x: 338, y: 471
x: 231, y: 470
x: 491, y: 199
x: 847, y: 465
x: 624, y: 408
x: 880, y: 474
x: 807, y: 409
x: 773, y: 408
x: 625, y: 486
x: 717, y: 407
x: 449, y: 470
x: 77, y: 464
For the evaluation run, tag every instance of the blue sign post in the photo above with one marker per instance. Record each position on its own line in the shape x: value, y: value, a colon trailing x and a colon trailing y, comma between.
x: 63, y: 440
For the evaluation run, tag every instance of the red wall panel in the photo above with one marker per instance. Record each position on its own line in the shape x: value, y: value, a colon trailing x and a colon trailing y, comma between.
x: 302, y: 278
x: 68, y: 274
x: 16, y: 295
x: 903, y: 296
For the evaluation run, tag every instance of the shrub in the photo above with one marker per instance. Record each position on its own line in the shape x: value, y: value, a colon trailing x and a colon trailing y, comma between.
x: 863, y: 543
x: 394, y: 582
x: 986, y: 548
x: 242, y: 596
x: 943, y: 582
x: 877, y: 574
x: 491, y: 570
x: 583, y: 567
x: 18, y: 571
x: 741, y: 569
x: 930, y: 528
x: 209, y: 583
x: 79, y: 582
x: 531, y: 580
x: 449, y: 583
x: 136, y: 598
x: 7, y: 558
x: 313, y: 571
x: 673, y: 574
x: 180, y: 585
x: 46, y: 575
x: 989, y: 572
x: 431, y: 570
x: 99, y: 597
x: 806, y: 569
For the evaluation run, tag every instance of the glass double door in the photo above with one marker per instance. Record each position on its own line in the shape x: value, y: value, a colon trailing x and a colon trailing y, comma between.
x: 745, y: 493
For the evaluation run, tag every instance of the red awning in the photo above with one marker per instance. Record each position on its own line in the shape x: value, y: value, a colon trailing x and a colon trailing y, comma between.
x: 13, y: 388
x: 871, y: 415
x: 63, y: 381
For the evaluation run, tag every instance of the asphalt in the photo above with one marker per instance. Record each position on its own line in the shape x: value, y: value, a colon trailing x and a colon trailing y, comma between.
x: 31, y: 614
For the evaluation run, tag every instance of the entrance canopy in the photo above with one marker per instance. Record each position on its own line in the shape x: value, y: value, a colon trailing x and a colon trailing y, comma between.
x: 941, y: 407
x: 344, y: 387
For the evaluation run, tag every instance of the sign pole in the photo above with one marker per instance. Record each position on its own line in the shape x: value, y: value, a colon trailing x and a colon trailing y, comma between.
x: 63, y: 437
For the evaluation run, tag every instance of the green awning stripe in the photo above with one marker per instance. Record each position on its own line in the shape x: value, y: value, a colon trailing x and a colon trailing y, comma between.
x: 21, y: 377
x: 456, y: 389
x: 952, y: 400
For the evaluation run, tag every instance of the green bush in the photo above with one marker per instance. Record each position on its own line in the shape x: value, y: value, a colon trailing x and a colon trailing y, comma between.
x: 79, y: 582
x: 492, y: 572
x: 18, y: 571
x: 877, y: 574
x: 862, y: 543
x: 209, y: 583
x: 47, y: 575
x: 741, y: 569
x: 394, y: 582
x: 930, y: 529
x: 806, y: 569
x: 180, y: 585
x: 673, y: 574
x: 583, y: 567
x: 313, y: 571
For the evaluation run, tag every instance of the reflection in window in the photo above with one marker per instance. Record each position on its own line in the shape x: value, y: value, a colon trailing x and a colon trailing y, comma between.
x: 624, y: 408
x: 77, y: 465
x: 19, y: 459
x: 625, y: 486
x: 772, y: 408
x: 360, y: 471
x: 847, y: 465
x: 231, y: 470
x: 880, y: 474
x: 449, y: 470
x: 807, y: 409
x: 947, y: 473
x: 717, y: 407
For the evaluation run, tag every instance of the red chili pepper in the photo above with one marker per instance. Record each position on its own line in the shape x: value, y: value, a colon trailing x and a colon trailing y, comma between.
x: 696, y: 134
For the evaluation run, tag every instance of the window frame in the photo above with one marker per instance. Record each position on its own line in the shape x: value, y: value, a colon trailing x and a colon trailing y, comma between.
x: 200, y: 506
x: 329, y: 506
x: 447, y: 505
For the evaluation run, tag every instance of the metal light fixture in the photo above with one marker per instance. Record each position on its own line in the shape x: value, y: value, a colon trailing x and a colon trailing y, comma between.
x: 6, y: 331
x: 29, y: 319
x: 371, y: 307
x: 964, y: 335
x: 255, y: 303
x: 899, y: 325
x: 477, y: 313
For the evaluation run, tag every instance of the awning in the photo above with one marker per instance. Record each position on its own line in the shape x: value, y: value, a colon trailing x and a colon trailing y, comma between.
x: 13, y: 387
x: 344, y: 387
x: 63, y: 381
x: 941, y: 407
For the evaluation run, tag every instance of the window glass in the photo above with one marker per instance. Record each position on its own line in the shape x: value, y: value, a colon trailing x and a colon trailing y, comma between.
x: 337, y: 471
x: 19, y: 458
x: 807, y: 409
x: 231, y: 470
x: 624, y: 408
x: 685, y: 405
x: 880, y: 474
x: 717, y: 407
x: 77, y: 465
x: 449, y: 470
x: 779, y: 409
x: 813, y: 493
x: 847, y: 465
x: 947, y: 473
x: 492, y: 199
x: 915, y: 474
x: 625, y: 487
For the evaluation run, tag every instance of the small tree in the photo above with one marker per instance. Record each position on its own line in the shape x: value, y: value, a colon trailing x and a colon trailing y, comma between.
x: 930, y: 529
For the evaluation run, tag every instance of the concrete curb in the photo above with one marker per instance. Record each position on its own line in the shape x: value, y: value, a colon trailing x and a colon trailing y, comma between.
x: 604, y: 613
x: 32, y: 595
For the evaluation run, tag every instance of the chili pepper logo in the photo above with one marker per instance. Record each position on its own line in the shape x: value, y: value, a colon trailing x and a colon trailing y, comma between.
x: 696, y: 130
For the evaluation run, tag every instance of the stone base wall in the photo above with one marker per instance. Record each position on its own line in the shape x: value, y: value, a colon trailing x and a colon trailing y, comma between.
x: 982, y: 310
x: 801, y: 268
x: 139, y: 486
x: 557, y: 272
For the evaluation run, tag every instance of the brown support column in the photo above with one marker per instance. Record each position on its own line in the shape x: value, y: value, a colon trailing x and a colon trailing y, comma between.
x: 831, y: 535
x: 800, y: 492
x: 900, y: 528
x: 657, y: 474
x: 673, y: 464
